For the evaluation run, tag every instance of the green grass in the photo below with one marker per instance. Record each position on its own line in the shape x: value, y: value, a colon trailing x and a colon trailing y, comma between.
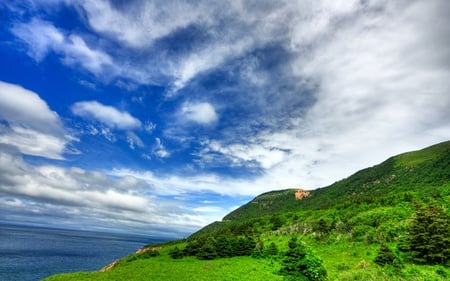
x: 344, y: 261
x: 417, y: 157
x: 165, y: 269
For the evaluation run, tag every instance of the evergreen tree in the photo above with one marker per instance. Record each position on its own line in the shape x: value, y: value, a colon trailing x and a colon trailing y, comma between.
x: 386, y: 256
x: 176, y: 253
x: 302, y: 264
x: 207, y: 251
x: 193, y: 247
x: 272, y: 250
x: 223, y: 247
x: 429, y: 236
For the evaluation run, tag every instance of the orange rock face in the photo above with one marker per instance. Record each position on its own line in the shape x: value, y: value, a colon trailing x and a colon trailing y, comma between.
x: 300, y: 194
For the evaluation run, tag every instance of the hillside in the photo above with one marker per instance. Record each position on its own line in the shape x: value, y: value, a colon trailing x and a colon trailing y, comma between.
x: 387, y: 222
x: 402, y: 173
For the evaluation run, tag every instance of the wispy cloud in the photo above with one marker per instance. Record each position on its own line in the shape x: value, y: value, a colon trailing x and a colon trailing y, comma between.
x: 105, y: 114
x: 43, y: 37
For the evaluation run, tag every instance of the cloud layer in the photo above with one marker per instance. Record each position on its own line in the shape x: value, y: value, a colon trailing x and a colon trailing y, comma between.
x: 214, y: 101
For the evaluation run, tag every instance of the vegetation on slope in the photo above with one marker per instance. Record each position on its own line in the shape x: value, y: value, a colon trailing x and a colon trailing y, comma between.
x: 388, y: 222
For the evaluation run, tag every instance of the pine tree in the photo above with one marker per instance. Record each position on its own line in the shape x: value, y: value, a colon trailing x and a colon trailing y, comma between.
x: 429, y: 236
x: 272, y: 250
x: 385, y: 256
x: 207, y: 251
x: 223, y: 247
x: 176, y: 253
x: 302, y: 264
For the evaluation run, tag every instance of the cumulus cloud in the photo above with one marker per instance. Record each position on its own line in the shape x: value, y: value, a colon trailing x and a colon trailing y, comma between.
x: 31, y: 126
x: 202, y: 113
x: 105, y: 114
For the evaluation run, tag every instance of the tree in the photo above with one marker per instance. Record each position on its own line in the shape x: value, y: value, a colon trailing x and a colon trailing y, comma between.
x: 302, y: 264
x: 276, y: 222
x: 223, y: 247
x: 429, y: 236
x: 207, y: 251
x: 176, y: 253
x: 272, y: 250
x: 386, y: 256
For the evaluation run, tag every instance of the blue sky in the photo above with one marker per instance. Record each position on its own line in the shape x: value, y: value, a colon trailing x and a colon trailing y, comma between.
x: 159, y: 117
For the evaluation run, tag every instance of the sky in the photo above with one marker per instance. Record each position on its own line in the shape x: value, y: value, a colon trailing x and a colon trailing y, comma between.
x: 159, y: 117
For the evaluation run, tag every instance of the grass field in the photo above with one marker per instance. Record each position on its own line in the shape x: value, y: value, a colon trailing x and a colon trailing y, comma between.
x: 343, y: 261
x: 187, y: 269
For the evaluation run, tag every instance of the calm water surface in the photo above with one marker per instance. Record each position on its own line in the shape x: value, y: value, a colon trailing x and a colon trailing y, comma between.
x: 28, y: 253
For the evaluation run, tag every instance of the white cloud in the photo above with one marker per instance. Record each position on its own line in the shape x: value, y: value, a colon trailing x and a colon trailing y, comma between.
x: 266, y: 155
x: 139, y: 25
x: 160, y: 150
x: 133, y: 140
x: 32, y: 127
x: 69, y: 195
x: 43, y: 37
x: 149, y: 126
x: 105, y: 114
x: 202, y: 113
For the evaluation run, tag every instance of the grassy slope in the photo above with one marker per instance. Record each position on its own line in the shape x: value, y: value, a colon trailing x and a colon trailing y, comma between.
x: 187, y: 269
x: 372, y: 206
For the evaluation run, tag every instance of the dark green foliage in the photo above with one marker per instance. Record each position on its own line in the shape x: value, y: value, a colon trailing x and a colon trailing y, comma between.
x: 207, y: 252
x: 149, y: 254
x: 385, y: 256
x: 243, y: 246
x: 302, y: 264
x: 224, y: 247
x: 193, y: 246
x: 176, y: 253
x: 276, y: 222
x: 429, y: 236
x: 322, y: 226
x: 272, y: 250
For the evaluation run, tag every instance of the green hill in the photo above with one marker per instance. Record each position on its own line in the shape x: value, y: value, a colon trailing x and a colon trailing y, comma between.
x: 407, y: 172
x: 387, y: 222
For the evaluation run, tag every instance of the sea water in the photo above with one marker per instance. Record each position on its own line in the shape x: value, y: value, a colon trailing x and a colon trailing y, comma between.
x: 30, y: 253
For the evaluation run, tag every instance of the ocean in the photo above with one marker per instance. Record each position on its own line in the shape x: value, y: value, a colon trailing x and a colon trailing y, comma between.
x: 31, y: 253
